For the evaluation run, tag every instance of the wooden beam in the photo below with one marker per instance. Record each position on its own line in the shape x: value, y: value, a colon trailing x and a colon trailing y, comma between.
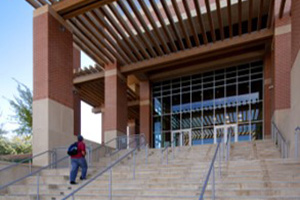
x: 33, y: 3
x: 71, y: 8
x: 240, y: 17
x: 170, y: 18
x: 221, y: 28
x: 87, y: 78
x: 117, y: 56
x: 182, y: 25
x: 197, y: 52
x: 281, y: 9
x: 93, y: 37
x: 250, y: 16
x: 163, y: 24
x: 121, y: 32
x: 270, y: 14
x: 88, y: 42
x: 42, y: 2
x: 199, y: 15
x: 260, y: 12
x: 154, y: 26
x: 191, y: 22
x: 223, y: 61
x: 87, y: 50
x: 229, y: 18
x: 100, y: 18
x: 129, y: 31
x: 137, y: 28
x: 99, y: 28
x: 210, y: 19
x: 145, y: 26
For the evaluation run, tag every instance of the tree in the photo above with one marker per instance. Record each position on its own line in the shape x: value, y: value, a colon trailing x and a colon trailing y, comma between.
x: 22, y: 107
x: 2, y: 131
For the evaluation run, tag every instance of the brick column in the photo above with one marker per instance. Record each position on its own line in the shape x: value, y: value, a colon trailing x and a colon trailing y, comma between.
x: 77, y: 106
x: 115, y: 122
x: 267, y: 94
x: 145, y: 110
x: 53, y: 114
x: 282, y: 68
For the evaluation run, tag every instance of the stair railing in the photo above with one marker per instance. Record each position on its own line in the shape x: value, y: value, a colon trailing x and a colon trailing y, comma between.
x: 280, y: 141
x: 109, y: 169
x: 165, y: 149
x: 297, y: 137
x: 54, y: 161
x: 211, y: 170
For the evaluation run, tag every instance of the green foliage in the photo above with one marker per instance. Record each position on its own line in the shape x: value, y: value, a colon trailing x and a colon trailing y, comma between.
x: 21, y: 144
x: 17, y: 145
x: 5, y: 146
x: 22, y: 107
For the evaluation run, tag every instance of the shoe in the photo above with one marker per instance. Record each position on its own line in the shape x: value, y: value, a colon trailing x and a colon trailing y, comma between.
x: 82, y: 178
x: 73, y: 183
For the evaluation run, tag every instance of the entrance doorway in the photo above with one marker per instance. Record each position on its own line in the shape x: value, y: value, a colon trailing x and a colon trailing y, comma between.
x: 182, y: 137
x: 231, y: 129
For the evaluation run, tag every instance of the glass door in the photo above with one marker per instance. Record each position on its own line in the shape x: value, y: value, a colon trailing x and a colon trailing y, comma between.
x: 221, y: 130
x: 182, y: 137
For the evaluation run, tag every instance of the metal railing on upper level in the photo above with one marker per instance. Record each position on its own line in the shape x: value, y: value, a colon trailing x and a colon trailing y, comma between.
x: 211, y: 171
x: 110, y: 167
x: 280, y: 141
x: 297, y: 137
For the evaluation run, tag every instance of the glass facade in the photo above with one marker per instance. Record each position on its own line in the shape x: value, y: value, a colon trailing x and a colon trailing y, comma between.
x: 202, y: 102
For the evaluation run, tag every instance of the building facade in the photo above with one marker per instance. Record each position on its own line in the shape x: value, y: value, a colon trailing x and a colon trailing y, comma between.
x: 180, y: 72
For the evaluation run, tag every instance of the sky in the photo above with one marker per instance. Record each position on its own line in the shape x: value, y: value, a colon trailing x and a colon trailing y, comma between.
x: 16, y: 62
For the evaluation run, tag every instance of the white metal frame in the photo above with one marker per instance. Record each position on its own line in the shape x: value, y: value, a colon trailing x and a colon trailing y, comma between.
x: 226, y: 127
x: 181, y: 132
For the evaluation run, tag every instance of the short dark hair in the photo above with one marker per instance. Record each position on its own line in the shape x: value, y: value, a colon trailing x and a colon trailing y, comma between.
x: 79, y: 138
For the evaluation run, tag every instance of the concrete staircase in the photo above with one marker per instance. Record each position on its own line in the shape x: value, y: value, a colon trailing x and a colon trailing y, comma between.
x: 255, y: 171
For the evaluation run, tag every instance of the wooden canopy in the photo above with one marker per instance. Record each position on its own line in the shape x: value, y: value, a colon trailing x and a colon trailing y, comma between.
x: 148, y: 37
x: 133, y: 31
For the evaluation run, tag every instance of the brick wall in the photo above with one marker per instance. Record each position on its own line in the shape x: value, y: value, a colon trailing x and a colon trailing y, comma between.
x: 53, y: 60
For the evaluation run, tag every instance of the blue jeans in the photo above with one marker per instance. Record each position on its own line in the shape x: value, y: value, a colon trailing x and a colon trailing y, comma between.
x: 76, y: 163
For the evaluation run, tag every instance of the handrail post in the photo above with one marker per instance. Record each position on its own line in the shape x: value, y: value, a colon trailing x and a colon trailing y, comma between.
x: 296, y: 142
x: 220, y: 162
x: 38, y: 186
x: 213, y: 182
x: 30, y: 166
x: 162, y: 156
x: 146, y: 156
x: 173, y: 152
x: 167, y: 155
x: 110, y: 183
x: 134, y: 165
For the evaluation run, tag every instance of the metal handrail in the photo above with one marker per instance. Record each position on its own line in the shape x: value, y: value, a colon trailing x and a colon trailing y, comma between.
x: 103, y: 171
x: 24, y: 160
x: 280, y: 141
x: 211, y: 168
x: 31, y: 173
x: 42, y: 168
x: 166, y: 148
x: 212, y: 165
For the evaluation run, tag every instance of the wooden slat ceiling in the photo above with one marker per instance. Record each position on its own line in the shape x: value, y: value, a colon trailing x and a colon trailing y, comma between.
x: 92, y: 92
x: 132, y: 31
